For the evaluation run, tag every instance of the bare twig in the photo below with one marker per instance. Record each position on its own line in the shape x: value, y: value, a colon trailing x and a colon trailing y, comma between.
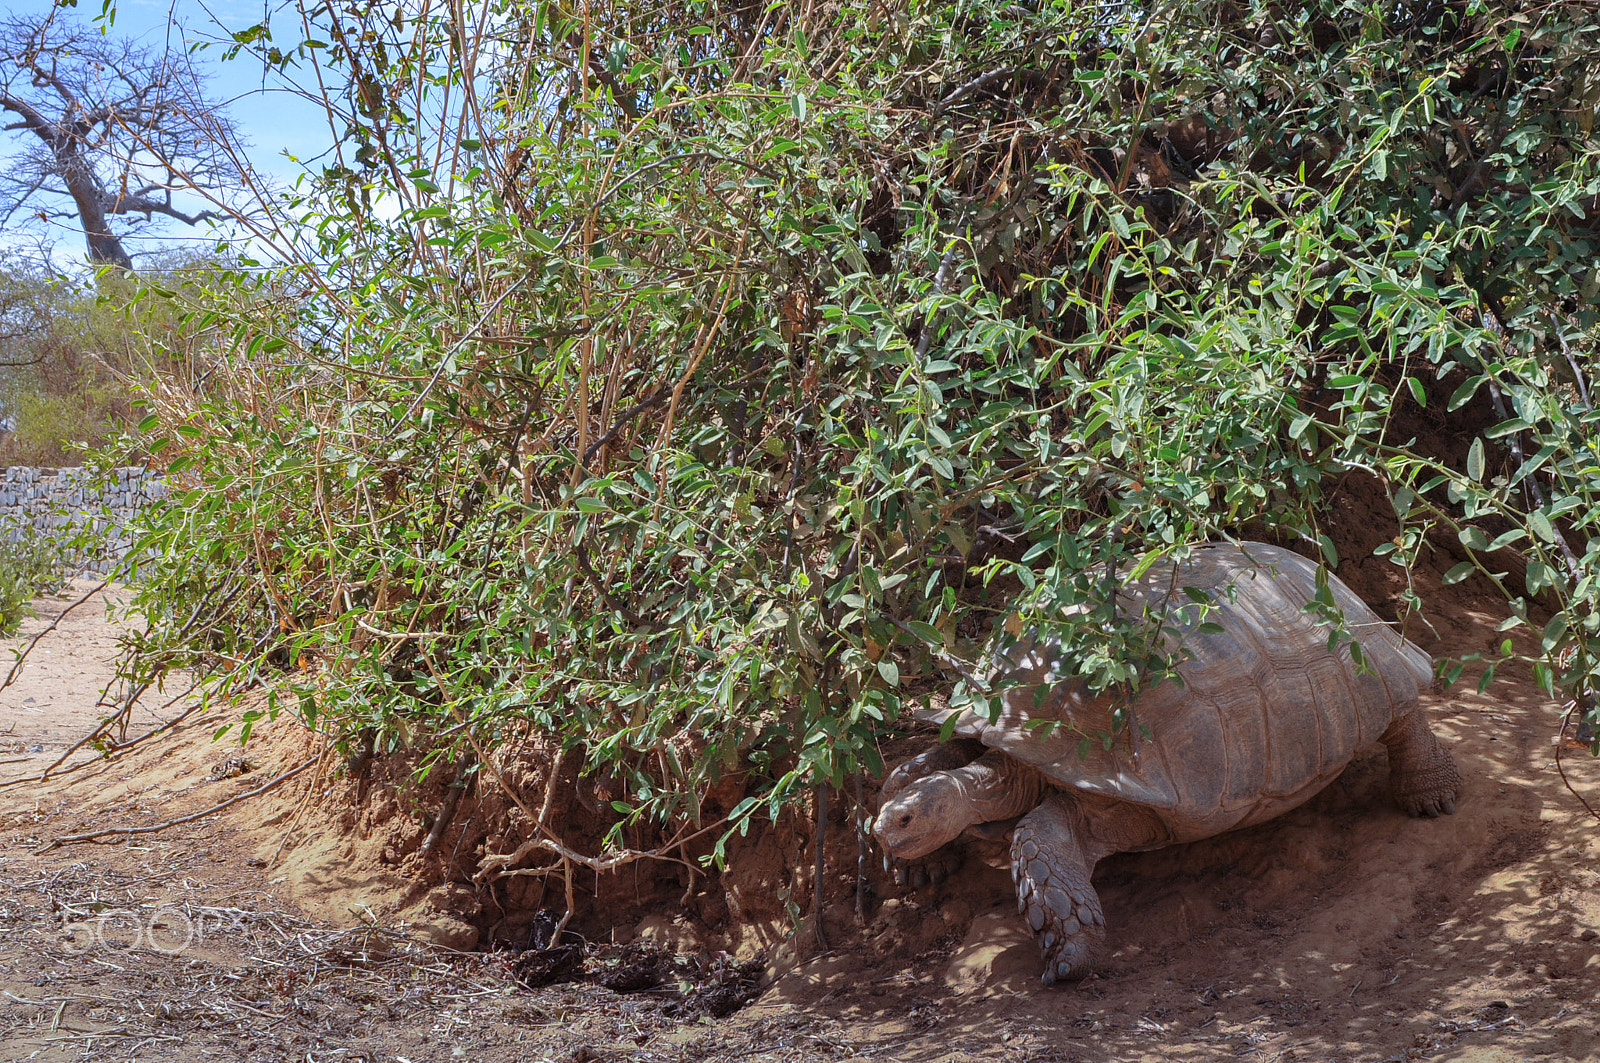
x: 621, y: 420
x: 940, y: 279
x: 452, y: 798
x: 863, y: 853
x: 121, y: 747
x: 816, y: 867
x: 1577, y: 706
x: 956, y: 94
x: 130, y: 831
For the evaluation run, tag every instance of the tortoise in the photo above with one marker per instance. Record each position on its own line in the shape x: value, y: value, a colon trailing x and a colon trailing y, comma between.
x: 1266, y: 709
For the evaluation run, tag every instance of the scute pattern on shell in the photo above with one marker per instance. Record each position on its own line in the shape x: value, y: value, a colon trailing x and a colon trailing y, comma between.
x: 1265, y: 715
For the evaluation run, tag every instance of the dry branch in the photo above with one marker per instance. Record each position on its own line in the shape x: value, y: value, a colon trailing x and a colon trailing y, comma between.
x: 130, y: 831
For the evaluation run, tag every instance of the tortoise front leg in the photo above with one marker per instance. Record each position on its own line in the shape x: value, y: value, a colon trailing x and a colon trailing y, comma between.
x: 942, y: 757
x: 1051, y: 865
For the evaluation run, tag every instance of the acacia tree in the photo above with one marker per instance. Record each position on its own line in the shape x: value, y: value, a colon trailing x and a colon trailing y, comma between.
x: 122, y: 133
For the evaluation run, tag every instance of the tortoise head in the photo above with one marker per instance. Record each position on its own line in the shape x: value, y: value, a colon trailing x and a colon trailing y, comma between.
x: 929, y: 812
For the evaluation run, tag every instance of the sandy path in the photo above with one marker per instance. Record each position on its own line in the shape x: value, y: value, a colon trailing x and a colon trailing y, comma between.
x: 1341, y: 932
x: 54, y: 698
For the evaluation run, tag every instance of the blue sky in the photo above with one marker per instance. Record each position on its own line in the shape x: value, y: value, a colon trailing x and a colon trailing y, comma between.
x: 273, y: 120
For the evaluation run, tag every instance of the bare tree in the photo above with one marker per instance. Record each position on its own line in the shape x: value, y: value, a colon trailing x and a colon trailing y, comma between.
x: 115, y: 130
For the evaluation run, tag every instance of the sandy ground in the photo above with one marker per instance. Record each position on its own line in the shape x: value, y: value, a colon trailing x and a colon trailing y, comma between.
x: 274, y: 931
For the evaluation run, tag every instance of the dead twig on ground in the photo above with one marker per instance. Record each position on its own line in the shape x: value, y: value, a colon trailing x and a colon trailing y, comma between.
x: 130, y: 831
x: 121, y: 747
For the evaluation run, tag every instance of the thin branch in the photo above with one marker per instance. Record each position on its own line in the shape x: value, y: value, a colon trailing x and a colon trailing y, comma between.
x: 982, y: 81
x: 128, y: 832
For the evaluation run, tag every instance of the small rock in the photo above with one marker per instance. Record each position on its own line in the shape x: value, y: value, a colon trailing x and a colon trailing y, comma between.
x: 449, y: 932
x: 661, y: 929
x: 1589, y: 935
x: 955, y: 912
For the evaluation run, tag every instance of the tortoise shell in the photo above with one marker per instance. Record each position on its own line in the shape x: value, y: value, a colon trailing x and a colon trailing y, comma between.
x: 1258, y: 716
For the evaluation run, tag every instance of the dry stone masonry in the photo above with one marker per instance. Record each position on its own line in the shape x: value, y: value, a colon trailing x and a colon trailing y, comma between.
x: 56, y: 501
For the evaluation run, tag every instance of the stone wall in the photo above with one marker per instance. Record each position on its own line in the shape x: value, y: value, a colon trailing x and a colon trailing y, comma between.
x: 54, y: 501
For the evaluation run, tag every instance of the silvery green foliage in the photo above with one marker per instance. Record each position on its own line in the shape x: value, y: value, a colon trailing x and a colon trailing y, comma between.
x: 699, y: 387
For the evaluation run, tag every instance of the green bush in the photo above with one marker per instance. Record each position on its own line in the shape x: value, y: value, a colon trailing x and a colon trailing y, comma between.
x: 29, y: 567
x: 699, y: 390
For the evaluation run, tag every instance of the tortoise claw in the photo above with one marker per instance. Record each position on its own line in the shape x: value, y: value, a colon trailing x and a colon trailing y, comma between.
x: 930, y: 870
x: 1430, y: 806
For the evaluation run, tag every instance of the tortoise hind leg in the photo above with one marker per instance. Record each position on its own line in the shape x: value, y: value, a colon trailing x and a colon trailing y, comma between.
x: 1051, y: 865
x: 1422, y: 773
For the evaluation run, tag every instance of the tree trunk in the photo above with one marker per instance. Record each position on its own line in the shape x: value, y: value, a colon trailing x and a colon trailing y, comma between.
x: 105, y: 247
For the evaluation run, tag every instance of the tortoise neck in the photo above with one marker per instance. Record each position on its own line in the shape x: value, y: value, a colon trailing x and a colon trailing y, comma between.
x: 997, y: 786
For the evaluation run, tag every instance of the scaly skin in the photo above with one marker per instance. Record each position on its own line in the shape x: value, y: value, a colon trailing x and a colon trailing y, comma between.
x: 945, y: 756
x: 934, y: 809
x: 1422, y: 774
x: 933, y: 798
x: 1051, y: 860
x: 939, y: 865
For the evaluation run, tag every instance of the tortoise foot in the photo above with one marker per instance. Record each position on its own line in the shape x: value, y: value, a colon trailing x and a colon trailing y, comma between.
x: 1422, y: 774
x: 1069, y: 936
x: 928, y: 870
x: 1054, y: 894
x: 1431, y: 805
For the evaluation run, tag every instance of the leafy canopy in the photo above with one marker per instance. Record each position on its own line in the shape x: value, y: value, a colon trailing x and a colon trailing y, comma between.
x: 699, y: 383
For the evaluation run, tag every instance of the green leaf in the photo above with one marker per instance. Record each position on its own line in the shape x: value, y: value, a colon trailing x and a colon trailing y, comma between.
x: 1505, y: 428
x: 1463, y: 394
x: 1505, y: 539
x: 1541, y: 526
x: 1458, y: 573
x: 1553, y: 631
x: 890, y: 672
x: 1475, y: 460
x: 1544, y: 677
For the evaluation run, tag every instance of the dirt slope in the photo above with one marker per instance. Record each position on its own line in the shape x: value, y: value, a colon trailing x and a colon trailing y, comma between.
x: 1343, y: 931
